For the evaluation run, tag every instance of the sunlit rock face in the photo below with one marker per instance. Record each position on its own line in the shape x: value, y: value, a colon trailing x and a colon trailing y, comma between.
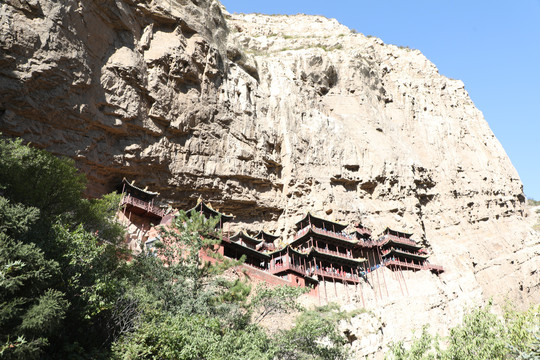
x: 268, y: 117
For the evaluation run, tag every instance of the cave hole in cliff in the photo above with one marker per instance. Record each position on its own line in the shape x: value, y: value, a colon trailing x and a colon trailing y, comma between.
x: 369, y: 186
x: 347, y: 184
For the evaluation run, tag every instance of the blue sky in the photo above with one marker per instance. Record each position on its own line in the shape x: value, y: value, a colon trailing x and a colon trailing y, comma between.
x: 492, y: 46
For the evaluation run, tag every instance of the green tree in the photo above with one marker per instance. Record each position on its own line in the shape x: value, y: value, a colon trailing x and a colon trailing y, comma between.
x: 314, y: 336
x: 479, y: 337
x: 60, y: 269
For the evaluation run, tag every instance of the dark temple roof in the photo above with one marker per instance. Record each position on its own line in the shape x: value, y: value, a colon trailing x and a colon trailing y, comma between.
x: 130, y: 188
x: 208, y: 212
x: 320, y: 223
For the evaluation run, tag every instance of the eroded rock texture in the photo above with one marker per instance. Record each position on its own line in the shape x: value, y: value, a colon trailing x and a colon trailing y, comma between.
x: 269, y: 117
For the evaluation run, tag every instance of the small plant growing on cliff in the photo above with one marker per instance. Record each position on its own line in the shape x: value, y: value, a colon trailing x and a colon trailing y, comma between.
x: 533, y: 202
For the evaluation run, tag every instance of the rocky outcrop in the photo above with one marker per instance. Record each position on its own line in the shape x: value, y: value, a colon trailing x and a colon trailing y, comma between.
x: 269, y: 117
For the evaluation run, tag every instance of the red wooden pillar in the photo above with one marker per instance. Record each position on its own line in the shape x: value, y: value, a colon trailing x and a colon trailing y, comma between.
x: 398, y: 279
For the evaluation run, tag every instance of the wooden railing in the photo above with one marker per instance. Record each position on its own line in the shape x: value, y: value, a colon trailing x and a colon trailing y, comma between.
x: 278, y: 268
x: 337, y: 275
x: 384, y: 252
x: 438, y: 268
x: 332, y: 234
x: 425, y: 266
x: 405, y: 264
x: 141, y: 204
x: 301, y: 232
x: 336, y: 253
x: 310, y: 271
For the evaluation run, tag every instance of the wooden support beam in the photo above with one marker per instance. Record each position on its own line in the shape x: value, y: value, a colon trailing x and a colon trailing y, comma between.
x: 404, y: 282
x: 398, y: 279
x: 381, y: 261
x: 378, y: 279
x: 361, y: 290
x: 324, y: 282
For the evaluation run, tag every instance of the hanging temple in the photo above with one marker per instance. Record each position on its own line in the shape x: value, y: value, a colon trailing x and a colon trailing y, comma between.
x: 320, y: 251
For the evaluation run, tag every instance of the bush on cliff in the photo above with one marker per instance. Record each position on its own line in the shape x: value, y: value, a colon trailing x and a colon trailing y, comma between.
x: 59, y: 277
x: 481, y: 336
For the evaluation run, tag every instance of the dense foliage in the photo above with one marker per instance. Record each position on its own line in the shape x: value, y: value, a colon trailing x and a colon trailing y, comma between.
x: 481, y: 336
x: 58, y: 278
x: 66, y: 290
x: 191, y: 312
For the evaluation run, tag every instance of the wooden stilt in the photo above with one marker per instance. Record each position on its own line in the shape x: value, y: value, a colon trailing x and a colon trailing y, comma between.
x: 399, y: 280
x: 324, y: 282
x: 124, y: 218
x: 334, y: 279
x: 378, y: 280
x: 384, y: 278
x: 361, y: 290
x: 404, y: 282
x: 346, y: 286
x: 369, y: 273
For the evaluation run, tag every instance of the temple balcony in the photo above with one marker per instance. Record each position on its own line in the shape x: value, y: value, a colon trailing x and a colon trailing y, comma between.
x: 335, y: 253
x: 434, y: 268
x: 405, y: 264
x: 311, y: 271
x: 281, y: 268
x: 335, y: 275
x: 410, y: 265
x: 418, y: 254
x: 368, y: 244
x: 141, y: 207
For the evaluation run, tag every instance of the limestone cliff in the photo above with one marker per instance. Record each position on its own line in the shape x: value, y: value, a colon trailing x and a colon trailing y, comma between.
x: 269, y: 117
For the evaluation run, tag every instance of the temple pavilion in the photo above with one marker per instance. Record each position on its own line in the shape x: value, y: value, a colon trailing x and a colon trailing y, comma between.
x: 328, y: 252
x: 399, y: 250
x: 209, y: 212
x: 140, y: 202
x: 241, y: 244
x: 269, y: 240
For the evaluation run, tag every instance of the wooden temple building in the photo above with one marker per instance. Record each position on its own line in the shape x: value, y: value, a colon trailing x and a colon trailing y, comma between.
x: 321, y: 252
x: 139, y: 213
x: 140, y: 202
x: 209, y: 212
x: 398, y: 250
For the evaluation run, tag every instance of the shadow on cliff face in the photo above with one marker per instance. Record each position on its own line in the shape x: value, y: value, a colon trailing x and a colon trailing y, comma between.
x: 89, y: 80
